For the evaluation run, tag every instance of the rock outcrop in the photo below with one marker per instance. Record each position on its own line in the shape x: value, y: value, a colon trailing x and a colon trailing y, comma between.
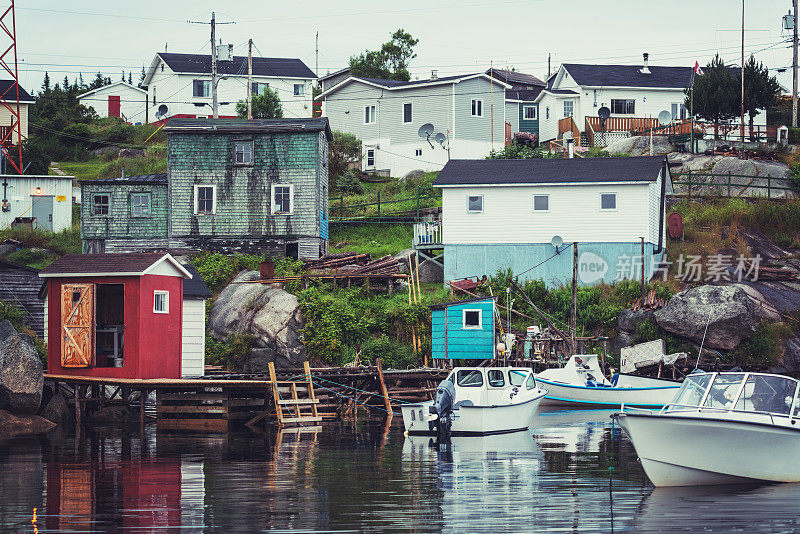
x: 629, y: 320
x: 268, y: 313
x: 430, y: 272
x: 731, y: 316
x: 640, y: 146
x: 14, y: 425
x: 21, y: 378
x: 57, y: 410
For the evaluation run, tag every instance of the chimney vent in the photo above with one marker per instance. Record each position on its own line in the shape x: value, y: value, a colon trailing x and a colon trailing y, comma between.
x: 434, y: 74
x: 230, y: 52
x: 645, y: 67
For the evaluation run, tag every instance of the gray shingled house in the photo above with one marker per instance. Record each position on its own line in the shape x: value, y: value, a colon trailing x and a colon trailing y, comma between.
x: 232, y: 185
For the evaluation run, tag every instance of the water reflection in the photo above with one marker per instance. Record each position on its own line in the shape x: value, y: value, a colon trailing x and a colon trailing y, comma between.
x: 574, y: 472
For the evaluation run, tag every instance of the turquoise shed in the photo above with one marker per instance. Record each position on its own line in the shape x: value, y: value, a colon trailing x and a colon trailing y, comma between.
x: 463, y: 329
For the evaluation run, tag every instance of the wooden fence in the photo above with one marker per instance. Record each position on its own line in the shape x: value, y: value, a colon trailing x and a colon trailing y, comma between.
x: 402, y: 208
x: 728, y: 185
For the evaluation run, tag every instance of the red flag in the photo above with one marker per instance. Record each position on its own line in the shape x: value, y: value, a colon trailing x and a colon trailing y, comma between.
x: 697, y: 70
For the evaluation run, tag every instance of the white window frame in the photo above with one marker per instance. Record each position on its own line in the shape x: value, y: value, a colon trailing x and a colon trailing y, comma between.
x: 149, y: 209
x: 616, y: 197
x: 464, y: 319
x: 301, y: 87
x: 533, y: 200
x: 626, y: 100
x: 411, y: 118
x: 535, y: 113
x: 372, y: 157
x: 275, y: 188
x: 474, y: 211
x: 572, y: 108
x: 370, y: 116
x: 165, y: 294
x: 476, y: 107
x: 206, y: 85
x: 213, y: 199
x: 259, y: 88
x: 245, y: 143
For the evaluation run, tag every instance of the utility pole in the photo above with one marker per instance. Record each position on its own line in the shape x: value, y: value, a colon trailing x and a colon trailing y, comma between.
x: 548, y: 65
x: 573, y: 319
x: 794, y: 66
x: 214, y: 103
x: 250, y: 79
x: 742, y: 76
x: 316, y: 51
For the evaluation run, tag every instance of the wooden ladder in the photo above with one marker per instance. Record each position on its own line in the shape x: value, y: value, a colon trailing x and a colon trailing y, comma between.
x: 295, y: 402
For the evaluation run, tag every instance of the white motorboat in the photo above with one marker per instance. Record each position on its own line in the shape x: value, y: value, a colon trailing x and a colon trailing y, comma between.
x: 581, y: 383
x: 722, y: 428
x: 477, y: 401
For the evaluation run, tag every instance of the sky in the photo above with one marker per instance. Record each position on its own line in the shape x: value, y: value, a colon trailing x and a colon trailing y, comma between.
x: 68, y: 38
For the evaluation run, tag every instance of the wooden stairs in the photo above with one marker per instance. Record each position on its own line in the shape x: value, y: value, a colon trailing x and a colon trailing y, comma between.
x: 294, y: 401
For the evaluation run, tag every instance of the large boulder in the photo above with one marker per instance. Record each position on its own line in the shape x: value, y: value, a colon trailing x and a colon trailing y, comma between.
x: 21, y: 378
x: 430, y: 272
x: 57, y: 410
x: 269, y: 314
x: 730, y: 314
x: 640, y: 146
x: 406, y: 260
x: 14, y: 425
x: 6, y: 330
x: 629, y: 320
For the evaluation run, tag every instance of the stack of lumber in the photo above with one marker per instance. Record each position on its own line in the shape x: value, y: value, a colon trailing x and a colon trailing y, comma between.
x: 353, y: 263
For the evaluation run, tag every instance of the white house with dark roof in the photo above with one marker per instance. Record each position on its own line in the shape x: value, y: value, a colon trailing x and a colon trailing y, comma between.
x: 8, y: 94
x: 468, y: 111
x: 500, y: 214
x: 629, y: 91
x: 120, y: 99
x: 182, y: 83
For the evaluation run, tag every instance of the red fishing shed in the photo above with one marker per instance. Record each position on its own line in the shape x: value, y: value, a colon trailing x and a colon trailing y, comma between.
x: 115, y: 315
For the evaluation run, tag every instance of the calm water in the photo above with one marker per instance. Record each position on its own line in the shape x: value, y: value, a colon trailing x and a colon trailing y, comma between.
x: 574, y: 473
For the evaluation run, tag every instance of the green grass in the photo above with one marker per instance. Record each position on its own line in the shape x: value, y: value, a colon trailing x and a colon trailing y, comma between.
x: 394, y: 196
x: 373, y: 238
x: 36, y: 258
x: 82, y: 170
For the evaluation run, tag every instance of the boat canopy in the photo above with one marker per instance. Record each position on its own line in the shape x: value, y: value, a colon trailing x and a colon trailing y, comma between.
x: 738, y: 392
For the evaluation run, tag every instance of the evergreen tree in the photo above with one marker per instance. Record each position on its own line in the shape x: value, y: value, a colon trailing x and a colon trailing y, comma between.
x: 66, y: 83
x: 142, y: 76
x: 716, y: 93
x: 265, y: 106
x: 130, y: 78
x: 46, y: 83
x: 81, y: 83
x: 390, y: 62
x: 123, y: 75
x: 760, y: 89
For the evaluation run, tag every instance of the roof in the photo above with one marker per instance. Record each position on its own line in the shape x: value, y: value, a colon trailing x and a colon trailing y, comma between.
x: 526, y: 95
x: 456, y: 302
x: 335, y: 73
x: 195, y: 287
x: 512, y: 77
x: 143, y: 179
x: 13, y: 265
x: 7, y: 88
x: 262, y: 66
x: 106, y: 87
x: 319, y: 124
x: 549, y: 171
x: 131, y: 264
x: 629, y: 76
x: 395, y: 85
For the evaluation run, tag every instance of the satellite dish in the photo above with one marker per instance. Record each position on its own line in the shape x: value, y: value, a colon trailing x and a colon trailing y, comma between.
x: 162, y: 110
x: 557, y: 241
x: 664, y: 118
x: 604, y: 113
x: 426, y: 130
x: 440, y: 138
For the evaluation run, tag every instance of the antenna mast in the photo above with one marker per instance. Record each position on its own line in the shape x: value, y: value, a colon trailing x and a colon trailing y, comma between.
x: 214, y: 103
x: 316, y: 60
x: 12, y: 152
x: 250, y: 79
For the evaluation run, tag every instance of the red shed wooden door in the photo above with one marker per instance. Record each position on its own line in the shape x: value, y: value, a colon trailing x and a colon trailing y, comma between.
x: 113, y: 106
x: 77, y: 312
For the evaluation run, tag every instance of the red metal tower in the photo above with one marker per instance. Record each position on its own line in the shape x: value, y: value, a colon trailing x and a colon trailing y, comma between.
x: 11, y: 151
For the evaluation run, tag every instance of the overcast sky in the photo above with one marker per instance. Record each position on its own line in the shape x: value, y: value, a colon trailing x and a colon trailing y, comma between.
x: 455, y: 37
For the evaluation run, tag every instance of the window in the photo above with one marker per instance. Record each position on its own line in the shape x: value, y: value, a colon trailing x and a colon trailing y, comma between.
x: 496, y: 378
x: 472, y: 319
x: 418, y: 152
x: 258, y: 88
x: 299, y: 89
x: 201, y: 88
x: 723, y: 390
x: 569, y: 108
x: 530, y: 383
x: 475, y: 204
x: 766, y: 394
x: 529, y: 113
x: 154, y: 95
x: 370, y: 158
x: 244, y: 152
x: 406, y: 112
x: 541, y: 202
x: 205, y: 199
x: 517, y: 378
x: 160, y: 301
x: 101, y: 204
x: 678, y: 111
x: 477, y: 108
x: 624, y: 106
x: 608, y: 201
x: 547, y: 112
x: 282, y: 202
x: 369, y: 115
x: 140, y: 205
x: 469, y: 378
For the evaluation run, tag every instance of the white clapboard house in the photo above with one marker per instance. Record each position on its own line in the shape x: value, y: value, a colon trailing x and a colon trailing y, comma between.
x: 499, y: 214
x: 468, y: 111
x: 179, y: 85
x: 120, y: 99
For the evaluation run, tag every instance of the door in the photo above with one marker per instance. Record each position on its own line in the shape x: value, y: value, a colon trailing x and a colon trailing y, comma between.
x: 42, y: 211
x: 113, y: 106
x: 77, y: 314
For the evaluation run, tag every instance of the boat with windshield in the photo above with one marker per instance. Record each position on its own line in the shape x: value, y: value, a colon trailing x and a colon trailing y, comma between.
x: 721, y: 428
x: 477, y: 401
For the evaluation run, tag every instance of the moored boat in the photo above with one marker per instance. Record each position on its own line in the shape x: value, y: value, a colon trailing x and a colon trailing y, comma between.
x: 477, y: 401
x: 722, y: 428
x: 581, y: 383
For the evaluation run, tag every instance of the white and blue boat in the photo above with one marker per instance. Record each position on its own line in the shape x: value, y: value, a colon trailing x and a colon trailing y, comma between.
x: 581, y: 383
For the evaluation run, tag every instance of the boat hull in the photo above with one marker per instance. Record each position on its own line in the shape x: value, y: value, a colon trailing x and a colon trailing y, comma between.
x: 680, y: 450
x: 475, y: 420
x: 559, y: 394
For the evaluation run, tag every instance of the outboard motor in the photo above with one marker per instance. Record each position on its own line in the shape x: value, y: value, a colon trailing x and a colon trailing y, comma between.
x: 443, y: 408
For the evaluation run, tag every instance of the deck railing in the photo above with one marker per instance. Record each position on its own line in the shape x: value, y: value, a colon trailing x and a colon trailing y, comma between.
x: 567, y: 124
x: 427, y: 234
x: 400, y: 208
x: 622, y: 124
x: 728, y: 185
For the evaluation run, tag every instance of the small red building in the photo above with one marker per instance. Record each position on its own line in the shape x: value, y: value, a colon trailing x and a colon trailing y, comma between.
x: 115, y: 315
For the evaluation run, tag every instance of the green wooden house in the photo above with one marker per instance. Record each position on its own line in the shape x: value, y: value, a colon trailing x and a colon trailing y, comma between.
x: 258, y: 186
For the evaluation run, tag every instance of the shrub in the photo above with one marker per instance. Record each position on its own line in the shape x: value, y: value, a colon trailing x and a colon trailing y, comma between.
x: 764, y: 346
x: 349, y: 183
x: 18, y: 319
x: 230, y: 353
x: 393, y: 355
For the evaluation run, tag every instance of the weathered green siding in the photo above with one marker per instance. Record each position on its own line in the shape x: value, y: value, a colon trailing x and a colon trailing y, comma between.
x: 244, y: 192
x: 119, y: 223
x: 531, y: 126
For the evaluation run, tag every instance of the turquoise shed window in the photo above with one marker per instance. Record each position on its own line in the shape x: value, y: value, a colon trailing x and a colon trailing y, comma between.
x: 472, y: 319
